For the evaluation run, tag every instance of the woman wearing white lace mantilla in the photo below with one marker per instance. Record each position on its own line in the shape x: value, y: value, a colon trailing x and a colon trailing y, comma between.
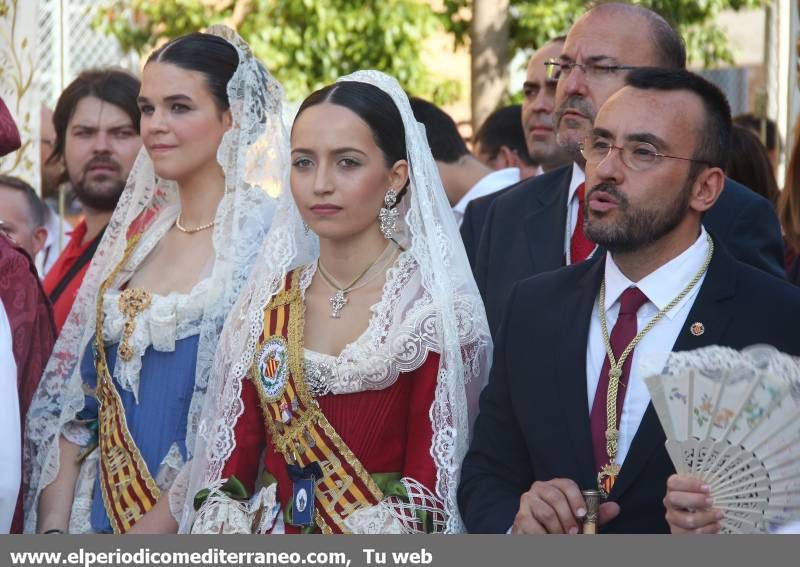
x: 356, y: 355
x: 113, y: 423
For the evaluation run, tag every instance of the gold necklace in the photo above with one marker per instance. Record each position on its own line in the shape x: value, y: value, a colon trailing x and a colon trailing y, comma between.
x: 195, y: 229
x: 610, y: 471
x: 339, y: 299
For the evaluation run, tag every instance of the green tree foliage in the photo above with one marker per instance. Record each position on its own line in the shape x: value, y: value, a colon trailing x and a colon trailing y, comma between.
x: 534, y: 22
x: 306, y: 44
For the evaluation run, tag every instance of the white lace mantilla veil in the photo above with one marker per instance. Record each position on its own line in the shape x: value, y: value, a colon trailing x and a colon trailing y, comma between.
x: 254, y: 157
x: 442, y: 313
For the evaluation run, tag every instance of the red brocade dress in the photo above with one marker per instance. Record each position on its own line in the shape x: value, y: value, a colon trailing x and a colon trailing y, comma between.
x: 388, y: 431
x: 386, y: 427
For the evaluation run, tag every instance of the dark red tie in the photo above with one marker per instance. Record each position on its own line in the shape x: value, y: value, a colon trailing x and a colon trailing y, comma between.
x: 580, y: 247
x: 621, y: 335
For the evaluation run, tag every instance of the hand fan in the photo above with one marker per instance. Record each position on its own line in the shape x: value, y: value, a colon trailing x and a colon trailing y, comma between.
x: 733, y: 419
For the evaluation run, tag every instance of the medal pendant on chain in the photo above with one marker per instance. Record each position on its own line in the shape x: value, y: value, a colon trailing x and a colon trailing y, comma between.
x: 606, y: 478
x: 338, y: 301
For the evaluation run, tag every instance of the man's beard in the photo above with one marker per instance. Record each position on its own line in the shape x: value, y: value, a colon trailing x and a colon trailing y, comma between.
x: 99, y: 195
x: 637, y: 228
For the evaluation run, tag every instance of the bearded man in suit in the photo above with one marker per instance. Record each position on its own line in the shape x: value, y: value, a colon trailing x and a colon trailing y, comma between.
x: 566, y: 407
x: 536, y: 225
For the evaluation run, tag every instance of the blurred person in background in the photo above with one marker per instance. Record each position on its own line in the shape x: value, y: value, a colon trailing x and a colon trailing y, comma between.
x: 9, y: 135
x: 538, y: 105
x: 50, y: 172
x: 789, y: 210
x: 500, y: 142
x: 96, y: 139
x: 464, y: 176
x: 767, y: 132
x: 22, y: 215
x: 26, y: 337
x: 749, y: 164
x: 10, y: 448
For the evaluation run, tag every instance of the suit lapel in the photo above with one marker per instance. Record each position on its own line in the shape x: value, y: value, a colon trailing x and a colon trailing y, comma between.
x: 710, y: 308
x: 571, y: 377
x: 545, y: 225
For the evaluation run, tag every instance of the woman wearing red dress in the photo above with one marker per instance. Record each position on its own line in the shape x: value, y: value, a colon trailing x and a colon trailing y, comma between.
x: 347, y: 376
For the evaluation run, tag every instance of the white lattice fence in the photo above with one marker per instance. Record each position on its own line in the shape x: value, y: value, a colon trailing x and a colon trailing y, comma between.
x: 69, y: 44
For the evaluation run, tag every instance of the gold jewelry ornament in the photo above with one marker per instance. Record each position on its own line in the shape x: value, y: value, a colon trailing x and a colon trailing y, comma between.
x: 132, y: 301
x: 697, y: 329
x: 192, y: 230
x: 610, y: 471
x: 339, y: 299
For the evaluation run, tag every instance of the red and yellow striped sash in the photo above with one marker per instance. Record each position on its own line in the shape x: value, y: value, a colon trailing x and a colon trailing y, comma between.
x: 128, y: 488
x: 298, y: 428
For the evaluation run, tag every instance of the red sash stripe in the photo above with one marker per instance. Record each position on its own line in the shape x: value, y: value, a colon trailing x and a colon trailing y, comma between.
x: 346, y: 485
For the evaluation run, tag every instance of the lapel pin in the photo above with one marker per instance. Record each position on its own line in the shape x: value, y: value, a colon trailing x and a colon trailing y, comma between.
x: 697, y: 329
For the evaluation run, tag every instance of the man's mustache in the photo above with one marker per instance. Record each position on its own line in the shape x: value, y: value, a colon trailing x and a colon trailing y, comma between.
x: 611, y: 189
x: 100, y: 161
x: 576, y: 103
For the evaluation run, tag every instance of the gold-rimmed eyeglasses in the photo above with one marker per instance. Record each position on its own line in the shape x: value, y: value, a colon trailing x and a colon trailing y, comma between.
x: 638, y: 156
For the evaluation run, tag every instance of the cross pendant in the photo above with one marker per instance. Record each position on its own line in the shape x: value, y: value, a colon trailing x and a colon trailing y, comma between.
x: 338, y: 301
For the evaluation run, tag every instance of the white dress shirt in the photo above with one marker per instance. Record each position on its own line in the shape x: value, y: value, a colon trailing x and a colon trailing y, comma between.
x: 10, y: 450
x: 660, y: 287
x: 496, y: 180
x: 578, y: 177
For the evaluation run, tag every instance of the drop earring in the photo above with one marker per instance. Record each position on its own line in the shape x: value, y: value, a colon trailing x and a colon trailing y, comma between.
x: 388, y: 215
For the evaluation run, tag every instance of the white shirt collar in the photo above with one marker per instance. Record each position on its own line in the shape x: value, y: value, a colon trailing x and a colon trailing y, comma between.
x: 490, y: 183
x: 578, y: 177
x: 664, y: 284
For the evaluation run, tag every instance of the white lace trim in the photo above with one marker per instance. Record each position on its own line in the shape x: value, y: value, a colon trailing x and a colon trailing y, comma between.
x: 177, y: 492
x: 80, y: 518
x: 392, y: 515
x: 402, y: 330
x: 169, y: 318
x: 377, y: 519
x: 221, y: 514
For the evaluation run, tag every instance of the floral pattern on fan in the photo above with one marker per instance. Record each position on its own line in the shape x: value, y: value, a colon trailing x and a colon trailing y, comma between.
x: 732, y: 419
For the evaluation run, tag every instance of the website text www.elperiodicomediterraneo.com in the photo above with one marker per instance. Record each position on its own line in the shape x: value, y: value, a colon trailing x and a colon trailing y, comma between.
x: 213, y: 557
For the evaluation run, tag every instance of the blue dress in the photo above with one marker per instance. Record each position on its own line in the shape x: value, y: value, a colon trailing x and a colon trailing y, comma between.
x: 158, y: 420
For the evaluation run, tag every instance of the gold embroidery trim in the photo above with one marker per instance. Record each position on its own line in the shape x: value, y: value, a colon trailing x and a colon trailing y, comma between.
x: 286, y: 437
x: 113, y: 403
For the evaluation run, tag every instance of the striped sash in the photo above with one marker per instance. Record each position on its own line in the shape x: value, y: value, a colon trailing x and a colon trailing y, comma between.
x: 298, y: 428
x: 128, y: 488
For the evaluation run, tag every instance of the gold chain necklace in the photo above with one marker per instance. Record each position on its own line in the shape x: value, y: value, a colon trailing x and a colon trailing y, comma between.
x: 339, y: 299
x: 195, y: 229
x: 609, y: 472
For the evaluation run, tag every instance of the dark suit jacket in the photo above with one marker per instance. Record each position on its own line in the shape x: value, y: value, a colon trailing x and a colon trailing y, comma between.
x: 534, y: 422
x: 519, y: 232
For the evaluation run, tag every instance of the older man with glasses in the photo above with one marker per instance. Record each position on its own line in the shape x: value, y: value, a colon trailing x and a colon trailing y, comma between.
x: 538, y: 228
